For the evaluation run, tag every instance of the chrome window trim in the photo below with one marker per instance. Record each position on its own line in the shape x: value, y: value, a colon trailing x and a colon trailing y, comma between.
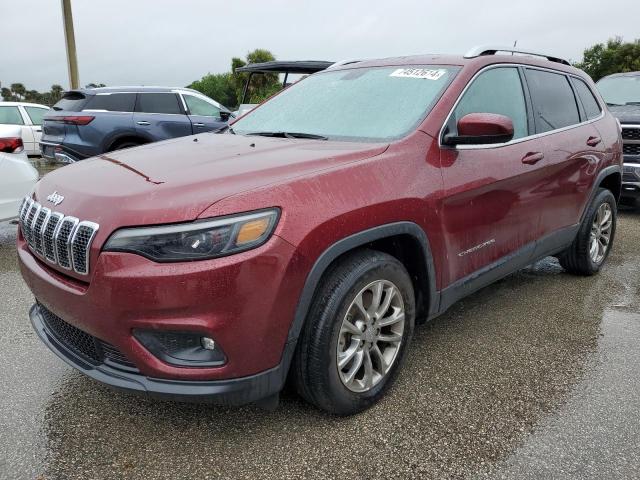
x: 518, y: 140
x: 94, y: 226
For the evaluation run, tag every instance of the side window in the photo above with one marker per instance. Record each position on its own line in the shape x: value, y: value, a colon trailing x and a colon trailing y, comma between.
x: 589, y: 102
x: 498, y: 90
x: 197, y: 106
x: 158, y: 103
x: 113, y: 102
x: 554, y: 104
x: 10, y: 116
x: 36, y: 114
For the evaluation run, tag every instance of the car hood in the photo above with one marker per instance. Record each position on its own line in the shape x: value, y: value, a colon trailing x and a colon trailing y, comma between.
x: 176, y: 180
x: 626, y: 113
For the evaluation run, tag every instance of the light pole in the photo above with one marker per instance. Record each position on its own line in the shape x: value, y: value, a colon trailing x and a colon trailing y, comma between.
x: 70, y: 40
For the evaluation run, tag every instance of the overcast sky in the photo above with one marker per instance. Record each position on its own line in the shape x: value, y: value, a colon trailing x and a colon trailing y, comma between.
x: 162, y: 42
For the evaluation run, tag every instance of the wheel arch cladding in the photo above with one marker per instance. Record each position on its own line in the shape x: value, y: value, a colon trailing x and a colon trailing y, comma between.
x: 406, y: 241
x: 613, y: 182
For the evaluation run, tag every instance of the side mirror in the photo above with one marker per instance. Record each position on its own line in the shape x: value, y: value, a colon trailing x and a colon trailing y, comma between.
x: 481, y: 129
x: 225, y: 116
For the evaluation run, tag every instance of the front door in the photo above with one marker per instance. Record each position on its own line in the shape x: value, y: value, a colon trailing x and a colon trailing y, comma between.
x: 204, y: 115
x: 491, y: 203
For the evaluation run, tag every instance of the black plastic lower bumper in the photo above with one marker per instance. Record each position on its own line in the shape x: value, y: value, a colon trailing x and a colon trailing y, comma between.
x: 236, y: 391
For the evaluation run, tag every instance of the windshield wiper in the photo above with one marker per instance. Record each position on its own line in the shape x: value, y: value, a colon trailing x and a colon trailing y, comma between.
x: 311, y: 136
x: 609, y: 104
x: 632, y: 103
x: 226, y: 128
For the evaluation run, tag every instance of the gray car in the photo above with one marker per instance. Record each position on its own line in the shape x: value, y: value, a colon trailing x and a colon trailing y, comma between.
x: 90, y: 122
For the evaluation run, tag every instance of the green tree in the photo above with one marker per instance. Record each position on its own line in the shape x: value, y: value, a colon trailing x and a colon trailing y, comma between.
x: 218, y: 86
x: 7, y: 96
x: 262, y: 85
x: 55, y: 94
x: 18, y: 90
x: 615, y: 56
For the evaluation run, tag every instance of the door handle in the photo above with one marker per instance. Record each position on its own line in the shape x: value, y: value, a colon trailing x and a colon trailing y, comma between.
x: 593, y: 141
x: 38, y: 129
x: 198, y: 124
x: 532, y: 158
x: 143, y: 123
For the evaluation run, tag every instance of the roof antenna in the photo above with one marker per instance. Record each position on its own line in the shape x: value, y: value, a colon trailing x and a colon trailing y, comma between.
x: 514, y: 46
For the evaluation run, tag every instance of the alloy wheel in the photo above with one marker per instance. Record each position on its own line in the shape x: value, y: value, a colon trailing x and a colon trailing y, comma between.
x: 370, y: 336
x: 601, y: 233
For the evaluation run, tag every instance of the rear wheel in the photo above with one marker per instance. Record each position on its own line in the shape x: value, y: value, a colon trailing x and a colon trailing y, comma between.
x: 125, y: 144
x: 593, y: 243
x: 357, y: 333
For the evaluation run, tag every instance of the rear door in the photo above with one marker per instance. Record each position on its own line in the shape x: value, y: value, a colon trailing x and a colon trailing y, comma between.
x: 204, y: 115
x: 35, y: 115
x: 11, y: 115
x: 160, y: 115
x: 571, y: 146
x: 492, y: 193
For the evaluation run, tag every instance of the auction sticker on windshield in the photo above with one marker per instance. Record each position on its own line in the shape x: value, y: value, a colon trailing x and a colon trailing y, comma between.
x: 418, y: 73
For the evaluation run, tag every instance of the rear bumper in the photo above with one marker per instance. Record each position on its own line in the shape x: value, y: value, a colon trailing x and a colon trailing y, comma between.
x: 237, y: 391
x: 58, y: 153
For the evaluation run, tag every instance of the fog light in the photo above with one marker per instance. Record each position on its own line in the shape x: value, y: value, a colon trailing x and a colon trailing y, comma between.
x: 208, y: 343
x: 183, y: 349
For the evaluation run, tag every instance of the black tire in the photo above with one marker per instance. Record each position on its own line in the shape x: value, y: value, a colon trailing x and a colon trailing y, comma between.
x: 315, y: 367
x: 125, y: 144
x: 577, y: 259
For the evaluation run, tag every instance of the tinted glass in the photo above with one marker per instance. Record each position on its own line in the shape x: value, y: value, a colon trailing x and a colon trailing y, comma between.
x: 498, y: 90
x: 197, y: 106
x: 158, y: 103
x: 114, y: 102
x: 589, y: 102
x: 71, y: 102
x: 554, y: 105
x: 375, y: 104
x: 36, y: 114
x: 10, y: 116
x: 620, y: 90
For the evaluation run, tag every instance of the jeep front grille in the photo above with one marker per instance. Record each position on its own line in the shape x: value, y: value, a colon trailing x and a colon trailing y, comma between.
x: 631, y: 148
x: 58, y: 239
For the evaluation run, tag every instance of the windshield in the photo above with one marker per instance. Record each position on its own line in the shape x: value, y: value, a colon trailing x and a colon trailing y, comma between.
x: 372, y: 104
x: 620, y: 90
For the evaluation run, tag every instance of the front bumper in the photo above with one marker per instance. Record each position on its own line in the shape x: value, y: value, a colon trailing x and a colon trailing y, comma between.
x: 631, y: 179
x: 237, y: 391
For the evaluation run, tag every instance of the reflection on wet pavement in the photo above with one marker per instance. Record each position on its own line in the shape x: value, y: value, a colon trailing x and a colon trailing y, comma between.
x: 532, y: 377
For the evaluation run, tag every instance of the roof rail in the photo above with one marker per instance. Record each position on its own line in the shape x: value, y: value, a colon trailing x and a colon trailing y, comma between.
x: 493, y: 49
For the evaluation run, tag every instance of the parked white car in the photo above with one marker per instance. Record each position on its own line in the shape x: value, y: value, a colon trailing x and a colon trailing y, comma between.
x: 17, y: 175
x: 27, y: 116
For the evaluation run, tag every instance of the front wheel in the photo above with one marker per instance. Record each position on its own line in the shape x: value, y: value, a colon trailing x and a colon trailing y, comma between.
x: 592, y: 245
x: 357, y: 333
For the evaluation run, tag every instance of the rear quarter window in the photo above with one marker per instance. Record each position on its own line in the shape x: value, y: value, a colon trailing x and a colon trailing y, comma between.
x: 589, y: 103
x: 554, y: 104
x: 158, y: 103
x: 112, y: 102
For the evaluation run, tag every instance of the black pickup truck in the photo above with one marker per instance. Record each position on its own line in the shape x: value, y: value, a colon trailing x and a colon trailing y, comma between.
x: 621, y: 91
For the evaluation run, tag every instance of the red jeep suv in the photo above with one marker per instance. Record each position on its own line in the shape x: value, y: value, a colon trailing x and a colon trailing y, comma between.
x: 305, y: 241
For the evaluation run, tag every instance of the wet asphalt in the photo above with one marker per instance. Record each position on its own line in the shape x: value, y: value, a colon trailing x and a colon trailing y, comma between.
x: 533, y: 377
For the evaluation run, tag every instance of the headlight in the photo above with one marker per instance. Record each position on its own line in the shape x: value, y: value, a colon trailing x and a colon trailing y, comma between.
x: 197, y: 240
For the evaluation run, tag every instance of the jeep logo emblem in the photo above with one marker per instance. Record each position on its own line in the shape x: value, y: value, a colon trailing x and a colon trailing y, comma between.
x: 55, y: 198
